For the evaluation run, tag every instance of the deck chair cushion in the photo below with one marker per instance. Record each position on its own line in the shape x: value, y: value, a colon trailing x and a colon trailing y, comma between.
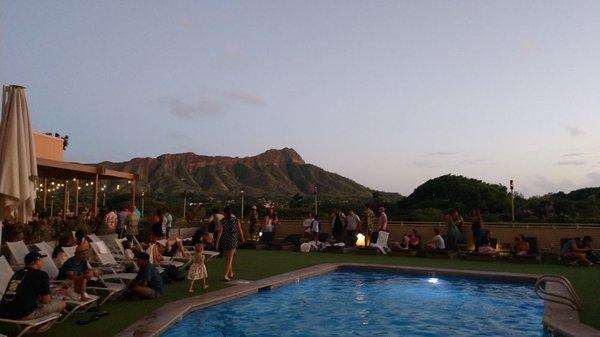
x: 18, y: 250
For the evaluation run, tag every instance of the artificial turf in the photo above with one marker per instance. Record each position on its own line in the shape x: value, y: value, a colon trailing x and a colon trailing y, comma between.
x: 257, y: 264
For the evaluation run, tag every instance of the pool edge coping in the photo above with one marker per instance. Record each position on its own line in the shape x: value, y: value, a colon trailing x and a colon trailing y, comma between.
x: 558, y: 318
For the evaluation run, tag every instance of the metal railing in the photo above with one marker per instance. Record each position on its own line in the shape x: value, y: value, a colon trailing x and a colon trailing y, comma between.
x: 572, y: 300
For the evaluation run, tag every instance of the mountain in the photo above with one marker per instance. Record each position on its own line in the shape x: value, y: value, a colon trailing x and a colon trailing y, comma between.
x: 272, y: 173
x: 452, y: 191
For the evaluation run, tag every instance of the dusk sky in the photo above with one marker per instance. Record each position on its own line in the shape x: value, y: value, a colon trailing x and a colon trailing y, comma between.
x: 388, y: 93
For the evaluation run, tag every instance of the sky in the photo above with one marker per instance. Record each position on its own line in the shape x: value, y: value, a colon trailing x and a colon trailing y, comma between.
x: 387, y: 93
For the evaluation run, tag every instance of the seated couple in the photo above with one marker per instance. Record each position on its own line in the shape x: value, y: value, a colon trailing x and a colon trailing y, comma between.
x: 410, y: 241
x: 579, y: 251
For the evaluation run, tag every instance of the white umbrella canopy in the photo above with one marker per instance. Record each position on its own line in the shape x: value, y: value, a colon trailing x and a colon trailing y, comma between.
x: 18, y: 163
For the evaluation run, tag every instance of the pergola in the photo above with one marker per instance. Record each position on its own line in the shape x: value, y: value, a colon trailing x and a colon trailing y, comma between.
x: 67, y: 171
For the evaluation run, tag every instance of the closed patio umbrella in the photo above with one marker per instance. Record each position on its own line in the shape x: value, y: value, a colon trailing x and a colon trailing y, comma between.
x: 18, y: 163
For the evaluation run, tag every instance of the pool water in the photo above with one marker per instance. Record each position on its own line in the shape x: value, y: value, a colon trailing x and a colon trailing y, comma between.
x: 373, y: 303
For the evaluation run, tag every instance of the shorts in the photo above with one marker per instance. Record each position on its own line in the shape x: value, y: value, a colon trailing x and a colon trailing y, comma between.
x: 148, y: 293
x: 55, y: 306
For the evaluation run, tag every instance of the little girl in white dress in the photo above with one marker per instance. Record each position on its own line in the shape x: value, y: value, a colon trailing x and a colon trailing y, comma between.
x: 197, y: 269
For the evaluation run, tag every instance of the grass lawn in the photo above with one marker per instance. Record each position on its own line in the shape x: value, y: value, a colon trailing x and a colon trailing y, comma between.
x: 257, y: 264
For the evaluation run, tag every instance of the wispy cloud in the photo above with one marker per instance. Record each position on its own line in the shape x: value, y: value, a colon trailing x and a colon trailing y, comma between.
x: 572, y: 162
x: 442, y: 153
x: 231, y: 56
x: 211, y: 104
x: 178, y: 136
x: 204, y: 106
x: 574, y: 154
x: 575, y: 131
x: 247, y: 98
x: 185, y: 23
x: 425, y: 164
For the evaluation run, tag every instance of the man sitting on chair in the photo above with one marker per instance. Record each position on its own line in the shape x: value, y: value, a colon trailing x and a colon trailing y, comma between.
x: 148, y: 283
x: 76, y: 272
x: 28, y: 293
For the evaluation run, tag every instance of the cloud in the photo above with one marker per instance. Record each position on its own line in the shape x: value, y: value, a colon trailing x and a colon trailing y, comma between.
x: 574, y: 154
x: 572, y: 163
x: 185, y: 23
x: 442, y: 153
x: 594, y: 179
x: 575, y: 131
x: 543, y: 185
x: 211, y: 104
x: 178, y: 136
x: 231, y: 56
x: 247, y: 98
x: 204, y: 106
x: 425, y: 164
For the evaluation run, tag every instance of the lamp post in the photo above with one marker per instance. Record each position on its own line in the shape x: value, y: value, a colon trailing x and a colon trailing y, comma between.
x: 242, y: 214
x: 316, y: 197
x: 184, y: 202
x: 142, y: 204
x: 512, y: 200
x: 52, y: 205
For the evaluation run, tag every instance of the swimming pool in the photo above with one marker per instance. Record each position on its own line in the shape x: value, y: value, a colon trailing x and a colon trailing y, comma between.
x: 359, y: 302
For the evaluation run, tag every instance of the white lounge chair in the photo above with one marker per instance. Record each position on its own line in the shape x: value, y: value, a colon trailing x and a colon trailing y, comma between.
x: 18, y: 250
x: 75, y: 306
x: 382, y: 242
x: 24, y: 324
x: 108, y: 263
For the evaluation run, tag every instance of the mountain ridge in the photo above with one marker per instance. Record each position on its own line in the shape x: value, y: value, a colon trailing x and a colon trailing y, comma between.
x: 280, y: 172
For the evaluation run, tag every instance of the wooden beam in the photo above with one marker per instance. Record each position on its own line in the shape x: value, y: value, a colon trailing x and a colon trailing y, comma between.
x: 45, y: 194
x: 95, y: 197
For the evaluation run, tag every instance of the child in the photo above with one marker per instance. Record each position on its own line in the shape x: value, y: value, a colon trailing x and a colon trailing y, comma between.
x: 198, y: 269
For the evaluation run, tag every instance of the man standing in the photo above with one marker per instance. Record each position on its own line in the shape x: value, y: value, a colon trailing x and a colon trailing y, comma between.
x: 369, y: 222
x: 382, y: 221
x: 147, y: 284
x: 132, y: 223
x: 28, y: 293
x: 110, y: 222
x: 167, y: 223
x: 338, y: 223
x: 253, y: 222
x: 306, y: 225
x: 121, y: 218
x: 353, y: 225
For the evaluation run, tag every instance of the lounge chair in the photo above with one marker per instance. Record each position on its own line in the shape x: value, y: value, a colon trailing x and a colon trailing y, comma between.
x: 74, y: 305
x: 24, y: 325
x: 379, y: 247
x: 18, y: 250
x: 108, y: 263
x: 533, y: 254
x: 291, y: 242
x: 349, y: 245
x: 477, y: 256
x: 449, y: 253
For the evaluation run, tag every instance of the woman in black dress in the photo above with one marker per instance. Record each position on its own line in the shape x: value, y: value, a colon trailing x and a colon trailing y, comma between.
x: 227, y: 238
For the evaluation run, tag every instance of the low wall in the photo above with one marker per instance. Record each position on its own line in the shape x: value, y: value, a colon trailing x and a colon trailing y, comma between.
x: 548, y: 235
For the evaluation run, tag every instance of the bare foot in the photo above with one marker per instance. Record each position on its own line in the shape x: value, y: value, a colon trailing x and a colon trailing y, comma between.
x: 205, y: 286
x: 190, y: 291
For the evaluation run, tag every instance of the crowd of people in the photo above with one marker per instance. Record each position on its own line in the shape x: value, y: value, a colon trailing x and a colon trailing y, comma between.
x: 28, y: 295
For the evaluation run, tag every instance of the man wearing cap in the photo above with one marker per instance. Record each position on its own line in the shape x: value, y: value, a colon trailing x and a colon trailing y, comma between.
x: 28, y: 293
x: 76, y: 271
x: 147, y: 283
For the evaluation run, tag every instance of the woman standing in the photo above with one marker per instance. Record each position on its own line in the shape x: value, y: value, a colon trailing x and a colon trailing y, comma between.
x: 270, y: 221
x: 228, y: 237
